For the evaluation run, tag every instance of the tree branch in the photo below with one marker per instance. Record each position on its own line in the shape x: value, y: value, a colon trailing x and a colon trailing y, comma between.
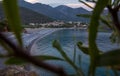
x: 22, y: 53
x: 114, y: 13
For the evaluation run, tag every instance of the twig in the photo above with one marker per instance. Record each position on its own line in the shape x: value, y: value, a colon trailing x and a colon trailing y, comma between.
x: 86, y: 4
x: 114, y: 13
x: 22, y: 53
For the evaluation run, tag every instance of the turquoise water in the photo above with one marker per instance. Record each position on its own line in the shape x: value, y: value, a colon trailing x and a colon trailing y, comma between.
x: 67, y: 39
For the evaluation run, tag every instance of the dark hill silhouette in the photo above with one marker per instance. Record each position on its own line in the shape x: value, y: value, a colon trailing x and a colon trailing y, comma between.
x: 62, y: 12
x: 44, y: 9
x: 72, y: 12
x: 29, y: 16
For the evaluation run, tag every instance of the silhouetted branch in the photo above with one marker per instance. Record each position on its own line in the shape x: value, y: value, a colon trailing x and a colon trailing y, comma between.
x: 114, y: 13
x: 22, y: 53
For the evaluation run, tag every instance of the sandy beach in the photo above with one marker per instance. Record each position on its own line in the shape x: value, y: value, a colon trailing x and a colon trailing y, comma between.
x: 37, y: 34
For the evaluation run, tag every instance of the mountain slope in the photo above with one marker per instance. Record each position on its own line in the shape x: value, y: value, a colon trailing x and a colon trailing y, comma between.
x: 44, y: 9
x: 72, y: 12
x: 59, y: 13
x: 29, y: 16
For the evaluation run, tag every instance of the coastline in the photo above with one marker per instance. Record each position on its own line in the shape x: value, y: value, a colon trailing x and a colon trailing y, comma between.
x: 49, y: 31
x: 29, y: 39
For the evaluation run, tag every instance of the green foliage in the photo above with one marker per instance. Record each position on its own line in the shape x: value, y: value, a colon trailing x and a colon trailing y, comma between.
x: 47, y: 57
x: 115, y: 3
x: 93, y: 29
x: 12, y: 14
x: 110, y: 58
x: 57, y: 45
x: 8, y: 49
x: 18, y: 61
x: 86, y: 4
x: 15, y: 61
x: 97, y: 58
x: 83, y: 49
x: 1, y: 26
x: 102, y: 19
x: 106, y: 22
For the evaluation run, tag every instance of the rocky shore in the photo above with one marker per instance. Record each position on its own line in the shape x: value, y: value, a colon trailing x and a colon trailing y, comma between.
x: 16, y: 71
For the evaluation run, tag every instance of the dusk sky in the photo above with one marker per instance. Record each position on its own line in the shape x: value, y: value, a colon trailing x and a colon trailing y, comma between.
x: 54, y: 3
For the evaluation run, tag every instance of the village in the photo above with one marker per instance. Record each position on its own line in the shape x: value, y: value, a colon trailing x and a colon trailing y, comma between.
x: 59, y: 24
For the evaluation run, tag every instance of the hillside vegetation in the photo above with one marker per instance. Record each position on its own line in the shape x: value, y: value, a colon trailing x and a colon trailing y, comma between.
x: 29, y: 16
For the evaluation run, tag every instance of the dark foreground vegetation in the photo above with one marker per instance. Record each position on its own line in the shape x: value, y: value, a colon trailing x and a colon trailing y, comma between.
x: 16, y: 54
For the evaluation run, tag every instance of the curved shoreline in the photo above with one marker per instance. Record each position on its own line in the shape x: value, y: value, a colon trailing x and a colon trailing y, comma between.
x: 30, y: 46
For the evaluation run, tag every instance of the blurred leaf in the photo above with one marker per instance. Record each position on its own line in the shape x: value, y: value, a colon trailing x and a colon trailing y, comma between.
x: 60, y: 50
x: 7, y: 48
x: 2, y: 56
x: 15, y: 61
x: 80, y: 60
x: 101, y: 18
x: 57, y: 45
x: 6, y: 55
x: 12, y: 14
x: 93, y: 29
x: 18, y: 61
x: 110, y: 2
x: 110, y: 58
x: 86, y: 4
x: 46, y: 57
x: 105, y: 22
x: 92, y: 0
x: 116, y: 3
x: 85, y: 49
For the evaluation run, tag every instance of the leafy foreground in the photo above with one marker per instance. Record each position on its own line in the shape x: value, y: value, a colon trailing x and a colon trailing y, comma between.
x: 97, y: 59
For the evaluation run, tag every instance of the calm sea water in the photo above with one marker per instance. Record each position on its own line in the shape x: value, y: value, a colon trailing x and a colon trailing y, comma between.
x: 68, y: 38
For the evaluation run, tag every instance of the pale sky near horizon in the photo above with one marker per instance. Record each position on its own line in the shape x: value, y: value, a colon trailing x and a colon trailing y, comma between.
x: 54, y: 3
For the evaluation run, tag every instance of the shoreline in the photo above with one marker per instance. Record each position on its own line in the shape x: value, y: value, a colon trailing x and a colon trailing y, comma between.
x: 29, y: 39
x: 40, y: 36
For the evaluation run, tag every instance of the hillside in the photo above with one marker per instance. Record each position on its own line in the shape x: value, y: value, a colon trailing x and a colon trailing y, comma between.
x: 29, y: 16
x: 72, y: 12
x: 62, y: 12
x: 44, y: 9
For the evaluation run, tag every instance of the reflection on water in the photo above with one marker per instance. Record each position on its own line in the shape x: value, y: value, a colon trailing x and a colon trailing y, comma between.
x: 68, y: 39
